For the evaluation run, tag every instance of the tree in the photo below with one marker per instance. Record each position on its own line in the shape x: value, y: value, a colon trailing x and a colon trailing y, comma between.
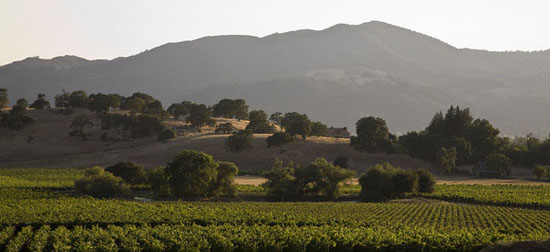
x: 341, y: 161
x: 259, y: 123
x: 279, y: 139
x: 62, y: 100
x: 228, y: 108
x: 318, y: 129
x: 191, y: 174
x: 446, y: 159
x: 78, y: 124
x: 500, y: 163
x: 144, y: 125
x: 280, y: 182
x: 426, y: 181
x: 178, y: 110
x: 225, y: 128
x: 78, y: 99
x: 239, y: 141
x: 276, y: 117
x: 296, y: 124
x: 166, y: 133
x: 483, y: 138
x: 100, y: 103
x: 22, y: 103
x: 4, y: 100
x: 225, y: 180
x: 16, y: 118
x: 131, y: 173
x: 199, y: 116
x: 134, y: 104
x: 384, y: 182
x: 372, y: 134
x: 159, y: 182
x: 100, y: 184
x: 40, y: 102
x: 540, y: 171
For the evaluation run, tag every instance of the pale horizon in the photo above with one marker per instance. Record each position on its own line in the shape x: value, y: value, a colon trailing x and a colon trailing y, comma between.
x: 106, y: 30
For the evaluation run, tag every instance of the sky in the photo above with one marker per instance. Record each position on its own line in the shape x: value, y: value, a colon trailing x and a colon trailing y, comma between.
x: 106, y: 29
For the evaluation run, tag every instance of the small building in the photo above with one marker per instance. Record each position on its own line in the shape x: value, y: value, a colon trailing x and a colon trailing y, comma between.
x: 338, y: 132
x: 481, y: 171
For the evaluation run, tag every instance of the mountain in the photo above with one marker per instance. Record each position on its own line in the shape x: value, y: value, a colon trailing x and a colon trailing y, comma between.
x: 336, y: 75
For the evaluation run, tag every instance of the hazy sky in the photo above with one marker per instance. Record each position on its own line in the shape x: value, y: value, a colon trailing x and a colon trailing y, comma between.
x: 110, y: 28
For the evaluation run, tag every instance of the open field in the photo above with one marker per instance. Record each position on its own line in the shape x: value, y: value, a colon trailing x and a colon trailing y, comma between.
x: 40, y: 210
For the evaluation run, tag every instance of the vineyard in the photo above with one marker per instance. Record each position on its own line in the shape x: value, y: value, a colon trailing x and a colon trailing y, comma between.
x: 40, y: 211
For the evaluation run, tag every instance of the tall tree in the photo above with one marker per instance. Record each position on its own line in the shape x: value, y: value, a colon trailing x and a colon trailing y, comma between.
x: 372, y: 134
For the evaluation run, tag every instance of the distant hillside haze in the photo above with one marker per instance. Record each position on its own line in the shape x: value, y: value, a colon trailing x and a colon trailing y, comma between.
x: 336, y: 75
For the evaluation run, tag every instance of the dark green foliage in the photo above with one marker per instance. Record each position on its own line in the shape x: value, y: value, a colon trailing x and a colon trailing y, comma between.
x: 372, y: 135
x: 318, y: 129
x: 225, y: 180
x: 131, y: 173
x: 159, y: 182
x: 259, y: 123
x: 16, y: 118
x: 166, y: 133
x: 78, y: 124
x: 296, y: 124
x: 144, y: 125
x: 279, y: 139
x: 100, y: 184
x: 318, y: 178
x: 341, y: 161
x: 62, y: 100
x: 426, y: 181
x: 500, y: 163
x: 178, y: 110
x: 22, y: 103
x: 191, y: 174
x: 78, y: 99
x: 541, y: 171
x: 225, y: 128
x: 4, y: 100
x: 446, y: 159
x: 384, y: 182
x: 239, y: 141
x: 200, y: 116
x: 228, y: 108
x: 40, y: 102
x: 102, y: 102
x: 134, y: 104
x: 276, y: 117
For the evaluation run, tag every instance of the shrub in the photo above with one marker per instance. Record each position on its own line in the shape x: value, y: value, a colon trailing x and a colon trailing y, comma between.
x: 159, y: 182
x: 279, y: 139
x: 131, y: 173
x: 426, y: 181
x: 166, y: 133
x: 281, y: 181
x: 500, y: 163
x: 191, y: 174
x: 384, y: 182
x: 341, y: 161
x: 100, y: 184
x: 239, y: 141
x: 318, y: 129
x: 541, y: 171
x: 225, y: 180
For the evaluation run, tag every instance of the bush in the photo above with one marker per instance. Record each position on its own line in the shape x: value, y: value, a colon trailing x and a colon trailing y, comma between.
x: 166, y: 133
x: 225, y: 180
x: 318, y: 178
x: 100, y: 184
x: 239, y: 141
x: 341, y: 161
x: 384, y: 182
x: 131, y: 173
x: 500, y: 163
x: 144, y: 126
x: 16, y: 118
x: 191, y: 174
x: 426, y: 181
x: 159, y: 182
x: 541, y: 171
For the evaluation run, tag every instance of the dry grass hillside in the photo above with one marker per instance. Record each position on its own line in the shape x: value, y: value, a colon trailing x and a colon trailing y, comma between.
x: 51, y: 146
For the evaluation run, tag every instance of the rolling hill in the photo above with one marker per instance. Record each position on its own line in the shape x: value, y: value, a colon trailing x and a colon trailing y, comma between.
x: 336, y: 75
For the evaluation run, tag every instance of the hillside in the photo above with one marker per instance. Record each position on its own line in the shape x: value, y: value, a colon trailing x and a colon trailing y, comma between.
x: 335, y: 75
x: 53, y: 147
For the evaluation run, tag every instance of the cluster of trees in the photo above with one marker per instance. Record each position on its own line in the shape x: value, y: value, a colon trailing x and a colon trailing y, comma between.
x: 320, y: 178
x: 190, y: 175
x: 542, y: 171
x: 384, y: 182
x: 228, y: 108
x: 16, y: 118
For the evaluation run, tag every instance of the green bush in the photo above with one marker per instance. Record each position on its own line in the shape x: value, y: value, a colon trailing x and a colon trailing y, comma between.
x: 159, y: 182
x: 100, y: 184
x: 426, y: 181
x: 384, y: 182
x: 131, y: 173
x: 166, y: 133
x: 225, y: 180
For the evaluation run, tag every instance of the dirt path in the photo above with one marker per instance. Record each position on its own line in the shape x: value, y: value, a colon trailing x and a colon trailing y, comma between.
x: 255, y: 180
